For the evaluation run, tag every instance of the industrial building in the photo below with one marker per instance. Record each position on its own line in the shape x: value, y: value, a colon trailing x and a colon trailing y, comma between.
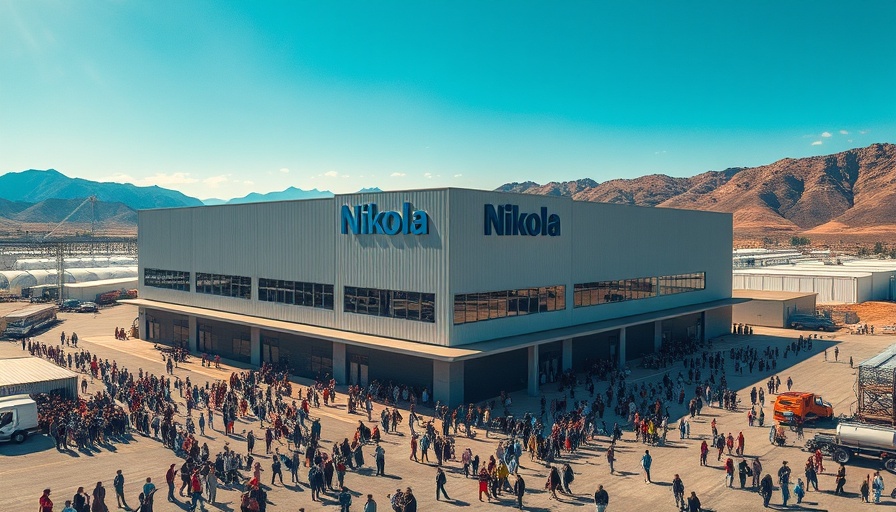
x: 465, y: 292
x: 770, y: 309
x: 31, y: 375
x: 850, y: 282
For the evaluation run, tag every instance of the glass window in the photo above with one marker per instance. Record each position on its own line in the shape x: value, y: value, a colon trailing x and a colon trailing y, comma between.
x: 389, y: 303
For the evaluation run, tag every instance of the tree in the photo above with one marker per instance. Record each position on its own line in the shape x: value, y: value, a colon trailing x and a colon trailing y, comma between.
x: 878, y: 248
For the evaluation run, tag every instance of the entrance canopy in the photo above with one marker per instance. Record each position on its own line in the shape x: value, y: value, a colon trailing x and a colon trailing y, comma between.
x: 437, y: 352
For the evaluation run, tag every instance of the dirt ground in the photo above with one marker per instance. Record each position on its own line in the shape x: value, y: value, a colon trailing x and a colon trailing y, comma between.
x: 878, y: 314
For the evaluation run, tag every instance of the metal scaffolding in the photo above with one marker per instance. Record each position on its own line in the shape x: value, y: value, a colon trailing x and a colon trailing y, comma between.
x: 877, y: 388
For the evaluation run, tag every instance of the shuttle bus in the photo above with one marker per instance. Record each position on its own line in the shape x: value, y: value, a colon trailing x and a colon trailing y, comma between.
x: 28, y: 321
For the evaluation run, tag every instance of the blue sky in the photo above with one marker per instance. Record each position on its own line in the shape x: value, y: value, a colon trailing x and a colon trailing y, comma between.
x: 221, y: 98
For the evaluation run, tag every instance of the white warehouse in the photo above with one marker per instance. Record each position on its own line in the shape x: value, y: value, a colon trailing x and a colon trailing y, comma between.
x: 852, y: 282
x: 465, y: 292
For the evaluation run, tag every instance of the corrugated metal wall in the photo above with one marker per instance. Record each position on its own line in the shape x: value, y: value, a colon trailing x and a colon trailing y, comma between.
x: 68, y: 386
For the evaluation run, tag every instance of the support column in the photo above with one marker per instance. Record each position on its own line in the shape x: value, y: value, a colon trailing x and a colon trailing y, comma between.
x: 339, y: 362
x: 534, y: 384
x: 448, y: 382
x: 142, y: 325
x: 622, y: 346
x: 567, y: 354
x: 193, y: 333
x: 657, y: 335
x: 255, y: 346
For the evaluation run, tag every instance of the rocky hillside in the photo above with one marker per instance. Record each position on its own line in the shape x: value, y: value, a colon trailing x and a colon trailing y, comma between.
x: 849, y: 192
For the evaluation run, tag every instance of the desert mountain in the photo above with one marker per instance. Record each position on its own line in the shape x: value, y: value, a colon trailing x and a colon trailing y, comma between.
x: 34, y: 186
x: 851, y: 191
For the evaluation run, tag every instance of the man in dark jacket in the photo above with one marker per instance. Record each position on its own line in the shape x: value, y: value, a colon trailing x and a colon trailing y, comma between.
x: 678, y: 492
x: 440, y: 484
x: 766, y: 486
x: 601, y: 499
x: 410, y: 501
x: 519, y: 489
x: 743, y: 471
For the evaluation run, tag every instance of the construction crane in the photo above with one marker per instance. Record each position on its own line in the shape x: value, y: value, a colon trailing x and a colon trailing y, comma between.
x: 60, y: 248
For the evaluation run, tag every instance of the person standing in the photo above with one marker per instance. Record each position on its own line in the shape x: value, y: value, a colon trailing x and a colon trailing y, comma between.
x: 410, y: 501
x: 99, y: 498
x: 345, y: 500
x: 211, y: 485
x: 766, y: 486
x: 369, y: 505
x: 276, y: 469
x: 519, y: 490
x: 743, y: 471
x: 611, y: 457
x: 646, y: 462
x: 784, y: 482
x: 704, y: 451
x: 729, y: 472
x: 693, y: 503
x: 169, y: 479
x: 799, y: 490
x: 601, y: 499
x: 379, y: 455
x: 678, y: 492
x: 118, y: 485
x: 196, y: 491
x: 865, y: 488
x: 149, y: 490
x: 46, y: 504
x: 877, y: 486
x: 757, y: 472
x: 440, y: 484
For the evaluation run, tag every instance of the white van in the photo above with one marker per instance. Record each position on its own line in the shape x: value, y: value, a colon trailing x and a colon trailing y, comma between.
x: 18, y: 418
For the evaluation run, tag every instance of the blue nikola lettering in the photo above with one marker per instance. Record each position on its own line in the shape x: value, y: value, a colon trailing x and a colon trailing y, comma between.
x: 366, y: 219
x: 506, y: 219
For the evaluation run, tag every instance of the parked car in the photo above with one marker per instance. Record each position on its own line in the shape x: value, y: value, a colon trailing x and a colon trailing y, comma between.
x: 88, y: 307
x: 812, y: 323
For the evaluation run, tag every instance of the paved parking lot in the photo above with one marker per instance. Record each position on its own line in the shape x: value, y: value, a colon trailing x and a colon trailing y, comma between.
x: 28, y: 468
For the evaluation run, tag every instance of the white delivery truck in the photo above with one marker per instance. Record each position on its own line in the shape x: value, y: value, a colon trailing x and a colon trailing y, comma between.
x: 18, y: 418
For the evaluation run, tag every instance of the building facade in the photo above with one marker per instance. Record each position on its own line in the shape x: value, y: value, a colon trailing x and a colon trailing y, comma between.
x: 465, y: 292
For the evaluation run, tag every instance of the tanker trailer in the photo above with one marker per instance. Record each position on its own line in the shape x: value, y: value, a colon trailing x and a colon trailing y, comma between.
x: 854, y: 439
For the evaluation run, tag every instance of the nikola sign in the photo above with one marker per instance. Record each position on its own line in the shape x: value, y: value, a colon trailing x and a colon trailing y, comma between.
x: 507, y: 219
x: 366, y: 219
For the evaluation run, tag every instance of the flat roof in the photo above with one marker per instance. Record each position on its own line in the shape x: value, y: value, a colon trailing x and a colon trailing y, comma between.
x: 24, y: 370
x: 769, y: 295
x: 886, y: 359
x: 804, y: 270
x: 430, y: 351
x: 103, y: 282
x: 30, y: 310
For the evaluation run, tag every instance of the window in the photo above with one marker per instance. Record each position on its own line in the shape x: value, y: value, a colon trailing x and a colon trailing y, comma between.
x: 223, y: 285
x: 605, y: 292
x: 296, y: 293
x: 168, y: 279
x: 478, y: 307
x: 404, y: 305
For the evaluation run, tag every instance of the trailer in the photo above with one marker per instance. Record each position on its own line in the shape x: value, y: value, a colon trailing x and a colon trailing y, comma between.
x: 32, y: 375
x: 876, y: 388
x: 858, y: 439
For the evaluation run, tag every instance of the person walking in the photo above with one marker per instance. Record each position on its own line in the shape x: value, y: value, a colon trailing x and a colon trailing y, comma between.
x: 118, y: 485
x: 784, y: 482
x: 483, y: 484
x: 45, y: 503
x: 646, y: 462
x: 743, y: 471
x: 196, y: 492
x: 276, y: 469
x: 729, y: 472
x: 601, y: 499
x: 678, y: 492
x: 99, y: 498
x: 704, y: 451
x: 799, y: 490
x: 149, y: 491
x: 519, y: 490
x: 370, y: 504
x: 611, y: 457
x: 841, y: 480
x: 441, y: 479
x: 766, y: 486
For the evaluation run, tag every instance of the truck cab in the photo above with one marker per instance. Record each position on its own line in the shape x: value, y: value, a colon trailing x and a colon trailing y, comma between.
x: 18, y: 418
x: 795, y: 407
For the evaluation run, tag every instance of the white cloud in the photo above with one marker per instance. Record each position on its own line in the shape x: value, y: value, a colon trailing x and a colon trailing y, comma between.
x: 458, y: 175
x: 118, y: 178
x: 817, y: 143
x: 849, y: 140
x: 216, y: 181
x: 331, y: 174
x: 844, y: 132
x: 427, y: 175
x: 863, y: 132
x: 398, y: 174
x: 826, y: 134
x: 284, y: 170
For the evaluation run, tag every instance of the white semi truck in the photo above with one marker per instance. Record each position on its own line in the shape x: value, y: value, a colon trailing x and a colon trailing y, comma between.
x: 851, y: 439
x: 18, y: 418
